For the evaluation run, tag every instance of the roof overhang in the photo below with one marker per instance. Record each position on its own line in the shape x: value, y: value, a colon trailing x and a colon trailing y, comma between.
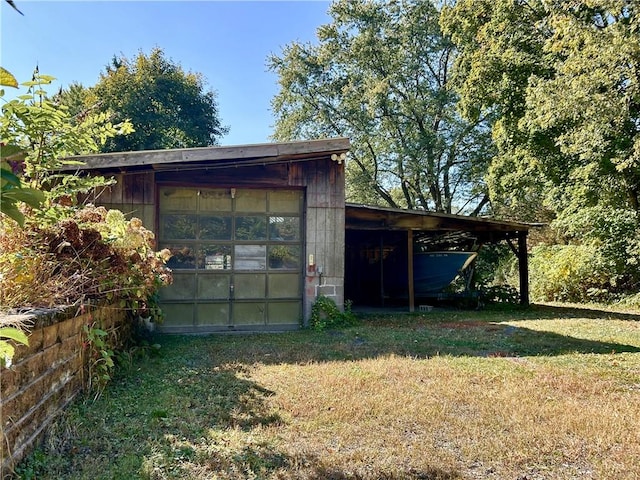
x: 364, y: 217
x: 212, y: 157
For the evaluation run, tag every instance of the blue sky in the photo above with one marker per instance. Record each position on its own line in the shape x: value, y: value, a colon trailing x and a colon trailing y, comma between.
x: 226, y: 41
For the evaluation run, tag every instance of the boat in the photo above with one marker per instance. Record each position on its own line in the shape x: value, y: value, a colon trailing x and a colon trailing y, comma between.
x: 434, y: 271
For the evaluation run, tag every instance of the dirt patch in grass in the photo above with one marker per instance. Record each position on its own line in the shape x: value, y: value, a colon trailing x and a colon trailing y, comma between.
x: 455, y: 395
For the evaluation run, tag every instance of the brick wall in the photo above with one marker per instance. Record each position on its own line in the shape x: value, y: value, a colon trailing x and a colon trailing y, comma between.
x: 45, y: 376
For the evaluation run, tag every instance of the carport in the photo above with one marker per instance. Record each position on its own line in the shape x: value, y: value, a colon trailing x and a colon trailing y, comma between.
x: 380, y: 244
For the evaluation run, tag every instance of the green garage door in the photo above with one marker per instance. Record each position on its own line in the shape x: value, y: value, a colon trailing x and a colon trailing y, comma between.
x: 236, y: 258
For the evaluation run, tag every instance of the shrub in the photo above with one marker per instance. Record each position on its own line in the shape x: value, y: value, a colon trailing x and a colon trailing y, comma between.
x: 91, y: 254
x: 570, y: 273
x: 66, y: 254
x: 499, y: 294
x: 612, y: 238
x: 326, y: 314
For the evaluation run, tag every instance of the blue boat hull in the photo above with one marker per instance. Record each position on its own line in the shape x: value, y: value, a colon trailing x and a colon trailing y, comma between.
x: 434, y: 271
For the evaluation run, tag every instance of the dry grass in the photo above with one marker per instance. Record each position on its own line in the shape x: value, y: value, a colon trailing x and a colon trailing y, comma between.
x: 488, y: 418
x: 549, y: 393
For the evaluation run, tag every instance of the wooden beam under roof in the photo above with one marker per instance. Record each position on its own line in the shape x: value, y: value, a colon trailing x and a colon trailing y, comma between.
x: 362, y: 217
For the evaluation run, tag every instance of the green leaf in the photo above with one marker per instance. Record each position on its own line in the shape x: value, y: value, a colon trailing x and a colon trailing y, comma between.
x: 7, y: 79
x: 14, y: 334
x: 6, y: 353
x: 8, y: 151
x: 11, y: 211
x: 7, y: 177
x: 27, y: 195
x: 46, y: 78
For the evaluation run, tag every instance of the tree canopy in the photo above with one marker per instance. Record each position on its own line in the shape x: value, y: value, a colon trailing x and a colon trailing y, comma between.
x: 562, y: 80
x: 168, y: 107
x: 380, y: 74
x: 38, y: 136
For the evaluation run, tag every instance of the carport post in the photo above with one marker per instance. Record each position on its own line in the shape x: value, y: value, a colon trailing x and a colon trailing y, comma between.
x: 412, y: 306
x: 523, y: 268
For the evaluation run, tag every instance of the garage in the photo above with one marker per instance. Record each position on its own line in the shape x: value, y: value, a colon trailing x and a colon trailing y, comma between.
x: 236, y: 257
x: 256, y: 231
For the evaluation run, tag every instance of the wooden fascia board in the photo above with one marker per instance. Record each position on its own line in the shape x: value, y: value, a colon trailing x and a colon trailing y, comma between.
x: 268, y: 152
x: 380, y: 219
x: 329, y: 145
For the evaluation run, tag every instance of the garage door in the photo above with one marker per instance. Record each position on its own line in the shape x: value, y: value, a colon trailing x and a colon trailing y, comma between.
x: 236, y: 258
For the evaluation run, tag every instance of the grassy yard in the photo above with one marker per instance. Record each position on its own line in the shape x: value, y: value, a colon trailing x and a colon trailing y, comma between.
x: 544, y: 393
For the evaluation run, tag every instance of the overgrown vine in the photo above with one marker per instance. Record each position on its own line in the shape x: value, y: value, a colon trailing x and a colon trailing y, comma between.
x: 326, y: 314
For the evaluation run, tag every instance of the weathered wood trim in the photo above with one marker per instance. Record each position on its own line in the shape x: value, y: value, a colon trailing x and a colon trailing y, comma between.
x: 374, y: 219
x: 265, y: 152
x: 257, y: 176
x: 115, y: 191
x: 325, y: 232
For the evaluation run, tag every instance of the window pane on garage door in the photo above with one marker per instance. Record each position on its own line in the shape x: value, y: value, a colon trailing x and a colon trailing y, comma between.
x: 178, y: 226
x: 251, y: 201
x: 281, y: 313
x: 284, y: 285
x: 249, y: 313
x: 249, y: 286
x: 182, y: 288
x: 285, y: 201
x: 179, y: 199
x: 215, y: 200
x: 214, y: 227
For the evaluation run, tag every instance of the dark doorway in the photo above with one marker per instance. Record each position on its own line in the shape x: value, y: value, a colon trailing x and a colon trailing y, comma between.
x: 376, y: 268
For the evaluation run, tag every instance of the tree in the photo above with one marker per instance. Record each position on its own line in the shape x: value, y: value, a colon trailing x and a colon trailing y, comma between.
x: 65, y: 251
x: 11, y: 193
x: 39, y: 136
x: 563, y: 81
x: 168, y: 107
x: 381, y: 76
